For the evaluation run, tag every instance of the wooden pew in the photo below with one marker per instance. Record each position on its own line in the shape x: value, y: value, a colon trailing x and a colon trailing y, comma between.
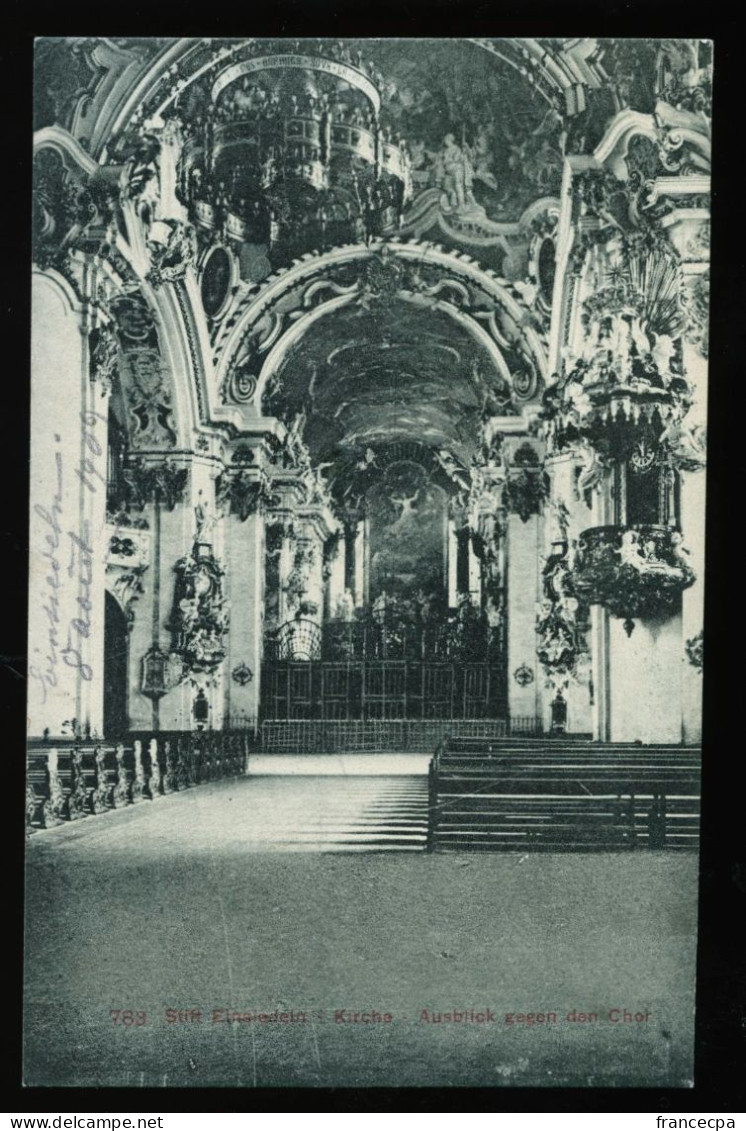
x: 562, y: 795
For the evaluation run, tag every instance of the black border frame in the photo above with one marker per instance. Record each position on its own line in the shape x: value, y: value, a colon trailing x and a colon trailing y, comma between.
x: 721, y: 1002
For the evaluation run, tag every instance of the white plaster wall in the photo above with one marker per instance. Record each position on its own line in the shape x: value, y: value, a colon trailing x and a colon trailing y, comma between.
x: 65, y: 594
x: 693, y: 501
x: 645, y: 681
x: 693, y: 527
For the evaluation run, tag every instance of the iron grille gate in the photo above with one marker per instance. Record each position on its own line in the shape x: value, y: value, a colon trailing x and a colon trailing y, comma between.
x: 381, y: 690
x: 349, y: 736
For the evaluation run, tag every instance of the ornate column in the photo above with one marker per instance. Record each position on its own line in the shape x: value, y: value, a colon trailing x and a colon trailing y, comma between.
x: 196, y: 608
x: 625, y: 397
x: 245, y: 492
x: 563, y: 622
x: 522, y: 497
x: 156, y: 490
x: 304, y: 524
x: 688, y: 229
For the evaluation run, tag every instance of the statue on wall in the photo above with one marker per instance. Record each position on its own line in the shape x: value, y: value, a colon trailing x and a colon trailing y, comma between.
x: 204, y: 519
x: 560, y: 644
x: 458, y: 174
x: 172, y: 252
x: 199, y: 619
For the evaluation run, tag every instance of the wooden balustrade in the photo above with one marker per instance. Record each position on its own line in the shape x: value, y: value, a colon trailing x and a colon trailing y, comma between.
x: 70, y: 779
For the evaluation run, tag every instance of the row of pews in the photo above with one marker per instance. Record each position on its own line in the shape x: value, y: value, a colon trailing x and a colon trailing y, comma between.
x: 68, y: 779
x: 562, y: 795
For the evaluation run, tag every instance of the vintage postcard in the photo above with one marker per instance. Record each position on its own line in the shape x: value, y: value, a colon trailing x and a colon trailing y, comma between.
x: 368, y: 420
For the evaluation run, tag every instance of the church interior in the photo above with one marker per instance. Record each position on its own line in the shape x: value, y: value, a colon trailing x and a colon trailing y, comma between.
x: 369, y: 390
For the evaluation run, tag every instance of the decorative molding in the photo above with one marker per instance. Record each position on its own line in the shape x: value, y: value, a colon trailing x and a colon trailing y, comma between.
x: 148, y: 397
x: 146, y: 482
x: 244, y: 492
x: 523, y: 675
x: 126, y: 585
x: 242, y: 674
x: 257, y: 334
x: 526, y: 486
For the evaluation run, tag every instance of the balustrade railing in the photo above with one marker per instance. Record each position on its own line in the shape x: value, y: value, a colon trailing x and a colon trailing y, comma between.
x: 70, y: 779
x: 526, y: 724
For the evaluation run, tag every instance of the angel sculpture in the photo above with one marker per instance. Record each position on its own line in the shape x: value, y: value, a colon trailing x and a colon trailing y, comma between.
x: 629, y: 551
x: 591, y: 472
x: 204, y: 520
x: 679, y: 552
x: 662, y: 352
x: 685, y: 444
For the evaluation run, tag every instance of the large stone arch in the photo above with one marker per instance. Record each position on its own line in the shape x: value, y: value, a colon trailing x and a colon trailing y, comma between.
x: 274, y: 318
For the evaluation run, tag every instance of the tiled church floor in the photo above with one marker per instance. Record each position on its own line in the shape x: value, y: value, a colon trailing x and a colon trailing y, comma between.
x: 178, y: 905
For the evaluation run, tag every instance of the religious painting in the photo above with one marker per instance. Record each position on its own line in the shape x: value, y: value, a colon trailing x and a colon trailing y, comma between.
x: 407, y: 532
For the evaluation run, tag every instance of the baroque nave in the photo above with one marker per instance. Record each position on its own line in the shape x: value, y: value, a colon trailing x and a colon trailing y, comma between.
x: 369, y: 387
x: 390, y: 388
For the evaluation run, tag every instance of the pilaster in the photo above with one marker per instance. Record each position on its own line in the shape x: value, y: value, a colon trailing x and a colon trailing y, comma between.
x: 523, y: 552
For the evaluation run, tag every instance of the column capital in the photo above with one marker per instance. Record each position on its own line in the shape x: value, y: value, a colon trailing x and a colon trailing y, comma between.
x: 320, y: 520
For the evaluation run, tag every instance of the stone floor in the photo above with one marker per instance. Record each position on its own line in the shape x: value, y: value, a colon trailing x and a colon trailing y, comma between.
x: 240, y: 896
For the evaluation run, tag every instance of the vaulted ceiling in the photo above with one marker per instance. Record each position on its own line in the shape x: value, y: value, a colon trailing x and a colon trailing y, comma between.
x: 366, y: 378
x: 438, y: 87
x: 494, y: 96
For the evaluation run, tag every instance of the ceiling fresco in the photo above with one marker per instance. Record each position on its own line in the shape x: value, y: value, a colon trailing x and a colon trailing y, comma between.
x: 458, y: 105
x: 407, y: 187
x: 362, y: 379
x: 461, y: 136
